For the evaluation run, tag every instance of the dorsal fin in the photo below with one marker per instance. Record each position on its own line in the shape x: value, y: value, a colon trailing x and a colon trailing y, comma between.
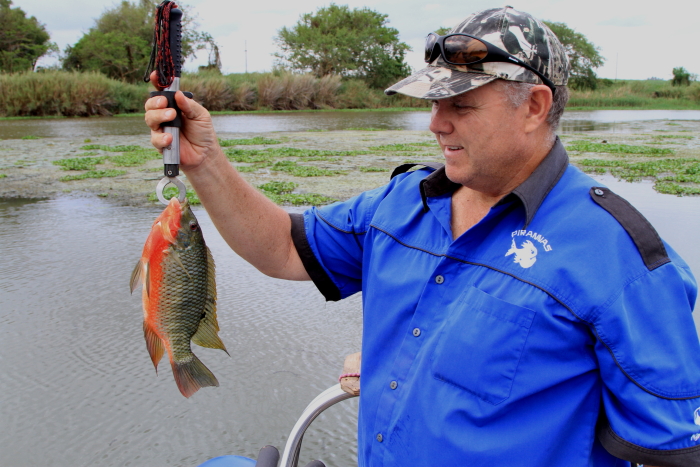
x: 642, y: 232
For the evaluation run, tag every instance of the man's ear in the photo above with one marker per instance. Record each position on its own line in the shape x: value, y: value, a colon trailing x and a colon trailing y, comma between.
x: 539, y: 103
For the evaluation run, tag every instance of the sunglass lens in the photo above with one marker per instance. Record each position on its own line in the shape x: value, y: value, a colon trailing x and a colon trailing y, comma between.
x: 463, y: 50
x: 429, y: 45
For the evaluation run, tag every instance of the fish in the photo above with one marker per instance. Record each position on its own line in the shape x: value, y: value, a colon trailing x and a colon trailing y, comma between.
x: 177, y: 274
x: 525, y: 256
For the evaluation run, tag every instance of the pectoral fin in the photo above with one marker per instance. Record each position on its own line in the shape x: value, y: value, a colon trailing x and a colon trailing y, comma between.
x: 136, y: 276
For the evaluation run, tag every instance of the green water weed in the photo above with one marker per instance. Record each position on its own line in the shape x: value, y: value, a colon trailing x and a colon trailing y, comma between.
x: 588, y: 146
x: 134, y: 159
x: 248, y: 141
x: 281, y: 193
x: 30, y: 137
x: 278, y: 187
x: 398, y: 147
x: 634, y: 171
x: 93, y: 174
x: 373, y: 169
x: 248, y: 155
x: 296, y: 170
x: 671, y: 188
x: 300, y: 199
x: 79, y: 163
x: 102, y: 147
x: 171, y: 191
x: 247, y: 168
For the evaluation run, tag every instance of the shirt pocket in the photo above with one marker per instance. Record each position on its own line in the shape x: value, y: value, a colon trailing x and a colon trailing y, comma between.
x: 481, y: 344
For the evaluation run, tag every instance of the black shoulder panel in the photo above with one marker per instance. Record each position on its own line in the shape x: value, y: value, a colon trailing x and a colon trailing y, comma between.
x: 316, y: 272
x: 406, y: 167
x: 623, y: 449
x: 644, y: 235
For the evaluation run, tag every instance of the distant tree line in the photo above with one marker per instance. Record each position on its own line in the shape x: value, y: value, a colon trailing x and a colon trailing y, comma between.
x: 332, y: 41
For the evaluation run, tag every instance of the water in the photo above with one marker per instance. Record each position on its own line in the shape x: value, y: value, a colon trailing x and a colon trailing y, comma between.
x: 76, y: 384
x: 601, y: 120
x: 77, y: 387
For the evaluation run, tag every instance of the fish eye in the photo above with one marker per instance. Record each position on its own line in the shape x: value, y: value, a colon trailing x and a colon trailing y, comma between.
x: 193, y: 225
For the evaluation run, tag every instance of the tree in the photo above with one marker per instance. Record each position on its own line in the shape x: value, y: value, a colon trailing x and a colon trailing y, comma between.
x: 351, y: 43
x: 442, y: 31
x: 22, y: 40
x: 119, y: 45
x: 583, y: 56
x: 681, y: 77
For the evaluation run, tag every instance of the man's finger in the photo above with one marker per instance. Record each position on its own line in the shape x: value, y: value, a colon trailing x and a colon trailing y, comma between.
x: 155, y: 117
x: 160, y: 140
x: 154, y: 80
x: 158, y: 102
x: 189, y: 107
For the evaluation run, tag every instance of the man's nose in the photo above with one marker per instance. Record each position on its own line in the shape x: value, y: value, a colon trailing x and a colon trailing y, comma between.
x: 440, y: 121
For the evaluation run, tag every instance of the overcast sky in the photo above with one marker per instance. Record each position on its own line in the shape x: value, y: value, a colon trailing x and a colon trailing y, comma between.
x: 639, y: 40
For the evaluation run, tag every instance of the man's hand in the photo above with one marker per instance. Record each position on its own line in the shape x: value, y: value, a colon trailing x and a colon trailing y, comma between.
x: 351, y: 384
x: 198, y: 140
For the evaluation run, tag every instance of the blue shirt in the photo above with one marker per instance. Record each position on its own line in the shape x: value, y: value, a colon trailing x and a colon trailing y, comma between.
x: 557, y: 331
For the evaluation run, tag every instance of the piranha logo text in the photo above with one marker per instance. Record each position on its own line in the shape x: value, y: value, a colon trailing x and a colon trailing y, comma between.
x: 526, y: 255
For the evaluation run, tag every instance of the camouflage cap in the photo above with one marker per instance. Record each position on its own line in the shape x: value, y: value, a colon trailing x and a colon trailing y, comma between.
x: 516, y: 32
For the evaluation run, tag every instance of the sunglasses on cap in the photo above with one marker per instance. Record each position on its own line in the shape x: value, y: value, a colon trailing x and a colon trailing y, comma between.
x: 463, y: 49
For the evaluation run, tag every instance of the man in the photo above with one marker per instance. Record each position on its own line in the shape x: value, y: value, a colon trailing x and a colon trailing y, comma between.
x: 514, y: 313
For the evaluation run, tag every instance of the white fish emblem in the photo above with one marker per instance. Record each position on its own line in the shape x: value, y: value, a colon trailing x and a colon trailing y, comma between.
x: 696, y: 419
x: 525, y: 256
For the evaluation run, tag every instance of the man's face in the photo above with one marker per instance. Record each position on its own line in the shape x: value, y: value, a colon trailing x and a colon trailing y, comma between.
x: 481, y: 137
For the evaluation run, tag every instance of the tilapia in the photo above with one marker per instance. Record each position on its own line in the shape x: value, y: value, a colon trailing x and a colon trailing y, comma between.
x: 176, y: 270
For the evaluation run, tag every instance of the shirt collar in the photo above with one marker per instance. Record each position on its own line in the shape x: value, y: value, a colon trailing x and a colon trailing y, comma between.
x: 531, y: 192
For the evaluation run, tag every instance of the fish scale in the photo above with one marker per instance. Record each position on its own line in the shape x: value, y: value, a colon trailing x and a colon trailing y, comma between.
x: 185, y: 295
x: 179, y: 296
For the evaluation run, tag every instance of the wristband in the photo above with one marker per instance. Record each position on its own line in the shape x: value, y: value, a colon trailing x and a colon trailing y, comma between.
x: 348, y: 375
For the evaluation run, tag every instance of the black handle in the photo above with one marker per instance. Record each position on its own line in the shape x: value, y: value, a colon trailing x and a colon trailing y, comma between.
x: 176, y: 39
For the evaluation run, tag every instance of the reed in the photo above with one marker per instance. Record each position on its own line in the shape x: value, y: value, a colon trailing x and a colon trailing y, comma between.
x: 70, y: 94
x: 642, y: 94
x: 62, y: 93
x: 211, y: 90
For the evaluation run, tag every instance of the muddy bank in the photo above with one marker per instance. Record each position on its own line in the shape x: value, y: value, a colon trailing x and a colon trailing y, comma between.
x: 353, y: 161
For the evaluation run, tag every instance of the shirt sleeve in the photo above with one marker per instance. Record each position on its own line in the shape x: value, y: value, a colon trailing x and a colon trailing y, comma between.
x: 649, y: 358
x: 330, y: 241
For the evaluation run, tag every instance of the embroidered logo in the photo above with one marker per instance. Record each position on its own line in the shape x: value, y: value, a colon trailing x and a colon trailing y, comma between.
x: 526, y: 255
x: 696, y: 418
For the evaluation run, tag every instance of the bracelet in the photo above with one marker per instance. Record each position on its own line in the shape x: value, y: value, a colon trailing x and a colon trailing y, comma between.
x: 348, y: 375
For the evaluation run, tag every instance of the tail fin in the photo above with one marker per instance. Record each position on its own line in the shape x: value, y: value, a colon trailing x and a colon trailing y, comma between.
x: 190, y: 375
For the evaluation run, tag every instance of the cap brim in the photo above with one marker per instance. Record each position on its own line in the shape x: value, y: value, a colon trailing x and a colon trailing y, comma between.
x: 436, y: 82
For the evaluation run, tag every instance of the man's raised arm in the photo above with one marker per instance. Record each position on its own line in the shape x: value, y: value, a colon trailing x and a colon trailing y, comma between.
x: 253, y: 226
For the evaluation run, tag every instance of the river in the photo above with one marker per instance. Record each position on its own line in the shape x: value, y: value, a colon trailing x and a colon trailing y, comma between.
x: 77, y: 387
x: 601, y: 120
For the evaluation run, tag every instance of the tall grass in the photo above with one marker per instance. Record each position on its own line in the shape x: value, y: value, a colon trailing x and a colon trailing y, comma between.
x: 85, y: 94
x: 638, y: 94
x: 66, y: 93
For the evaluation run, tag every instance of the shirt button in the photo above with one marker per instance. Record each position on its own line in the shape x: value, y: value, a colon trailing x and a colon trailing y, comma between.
x: 416, y: 332
x: 380, y: 438
x: 394, y: 385
x: 439, y: 279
